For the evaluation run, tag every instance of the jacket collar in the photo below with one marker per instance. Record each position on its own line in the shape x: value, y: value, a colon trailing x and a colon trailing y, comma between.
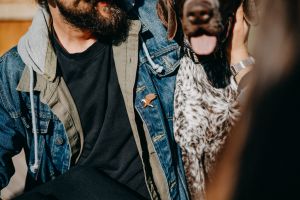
x: 50, y: 65
x: 35, y: 47
x: 126, y: 60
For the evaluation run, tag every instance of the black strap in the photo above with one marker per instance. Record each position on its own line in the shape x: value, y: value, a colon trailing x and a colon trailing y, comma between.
x: 188, y: 51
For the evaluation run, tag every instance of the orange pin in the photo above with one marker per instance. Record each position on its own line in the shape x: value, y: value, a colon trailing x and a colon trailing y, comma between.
x: 148, y: 99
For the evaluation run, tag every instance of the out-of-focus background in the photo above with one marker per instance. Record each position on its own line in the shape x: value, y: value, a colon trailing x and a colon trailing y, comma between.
x: 15, y: 18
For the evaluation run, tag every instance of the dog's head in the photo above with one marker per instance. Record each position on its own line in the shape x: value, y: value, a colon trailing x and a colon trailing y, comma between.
x: 204, y: 22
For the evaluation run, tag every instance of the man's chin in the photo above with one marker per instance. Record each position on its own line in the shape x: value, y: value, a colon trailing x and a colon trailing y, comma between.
x: 114, y: 38
x: 114, y: 29
x: 111, y: 27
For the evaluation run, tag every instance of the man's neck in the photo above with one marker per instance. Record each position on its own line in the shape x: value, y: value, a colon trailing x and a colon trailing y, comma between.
x: 73, y: 40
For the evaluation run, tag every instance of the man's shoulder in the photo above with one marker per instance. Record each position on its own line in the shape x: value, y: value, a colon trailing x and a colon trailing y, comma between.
x: 11, y: 69
x: 11, y: 64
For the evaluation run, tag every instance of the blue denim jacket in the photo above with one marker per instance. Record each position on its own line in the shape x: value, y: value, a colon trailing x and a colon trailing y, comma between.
x: 16, y: 129
x: 159, y: 118
x: 55, y: 145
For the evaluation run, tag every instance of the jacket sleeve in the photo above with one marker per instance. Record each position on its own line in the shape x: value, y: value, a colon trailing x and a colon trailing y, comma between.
x: 10, y: 143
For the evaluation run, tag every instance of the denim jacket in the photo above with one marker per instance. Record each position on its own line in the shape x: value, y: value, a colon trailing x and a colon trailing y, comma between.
x: 60, y: 137
x: 159, y: 118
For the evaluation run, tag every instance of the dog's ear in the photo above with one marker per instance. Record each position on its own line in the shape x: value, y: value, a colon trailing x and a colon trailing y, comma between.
x: 251, y: 12
x: 167, y: 15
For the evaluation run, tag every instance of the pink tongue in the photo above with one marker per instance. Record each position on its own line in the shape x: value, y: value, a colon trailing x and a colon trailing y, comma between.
x: 203, y: 45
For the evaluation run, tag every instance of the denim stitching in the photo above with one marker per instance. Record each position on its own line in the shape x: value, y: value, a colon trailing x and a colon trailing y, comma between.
x: 158, y: 53
x: 7, y: 105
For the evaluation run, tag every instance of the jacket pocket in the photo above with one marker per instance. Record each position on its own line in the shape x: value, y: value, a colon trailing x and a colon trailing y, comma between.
x: 43, y: 116
x: 42, y: 123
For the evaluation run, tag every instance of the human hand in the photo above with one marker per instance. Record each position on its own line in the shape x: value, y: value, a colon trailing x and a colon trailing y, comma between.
x: 237, y: 48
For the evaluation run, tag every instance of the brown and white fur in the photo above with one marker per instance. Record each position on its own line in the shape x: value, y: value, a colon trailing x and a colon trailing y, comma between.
x: 205, y: 105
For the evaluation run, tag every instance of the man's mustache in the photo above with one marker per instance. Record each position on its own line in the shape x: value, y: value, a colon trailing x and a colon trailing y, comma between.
x: 125, y: 5
x: 94, y: 2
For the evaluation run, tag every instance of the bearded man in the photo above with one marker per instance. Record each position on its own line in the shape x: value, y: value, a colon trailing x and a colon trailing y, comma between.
x: 70, y: 97
x: 88, y: 86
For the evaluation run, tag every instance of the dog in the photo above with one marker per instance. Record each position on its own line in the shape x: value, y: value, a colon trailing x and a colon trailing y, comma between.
x: 206, y: 26
x: 205, y: 100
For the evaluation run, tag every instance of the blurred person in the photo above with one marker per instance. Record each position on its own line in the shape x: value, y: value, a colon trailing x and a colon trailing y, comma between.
x: 90, y: 85
x: 260, y: 161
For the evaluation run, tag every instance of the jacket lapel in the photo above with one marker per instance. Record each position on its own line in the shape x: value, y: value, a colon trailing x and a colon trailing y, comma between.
x: 126, y: 62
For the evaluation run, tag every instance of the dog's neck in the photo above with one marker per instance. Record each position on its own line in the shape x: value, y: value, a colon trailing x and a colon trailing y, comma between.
x: 215, y: 65
x: 188, y: 51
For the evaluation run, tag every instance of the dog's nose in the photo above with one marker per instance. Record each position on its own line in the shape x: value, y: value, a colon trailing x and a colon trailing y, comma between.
x: 200, y: 14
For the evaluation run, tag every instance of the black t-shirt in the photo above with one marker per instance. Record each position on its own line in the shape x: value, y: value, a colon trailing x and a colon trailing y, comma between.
x: 109, y: 144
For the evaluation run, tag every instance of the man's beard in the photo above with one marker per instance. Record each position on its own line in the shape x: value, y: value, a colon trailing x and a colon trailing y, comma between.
x: 113, y: 29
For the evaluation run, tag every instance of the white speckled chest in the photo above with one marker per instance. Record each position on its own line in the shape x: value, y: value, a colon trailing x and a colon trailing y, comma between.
x: 203, y: 115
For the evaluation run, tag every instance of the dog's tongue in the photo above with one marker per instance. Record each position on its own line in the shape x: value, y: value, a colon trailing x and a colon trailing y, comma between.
x: 203, y: 45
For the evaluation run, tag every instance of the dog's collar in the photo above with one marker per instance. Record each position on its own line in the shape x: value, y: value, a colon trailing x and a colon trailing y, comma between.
x: 188, y: 51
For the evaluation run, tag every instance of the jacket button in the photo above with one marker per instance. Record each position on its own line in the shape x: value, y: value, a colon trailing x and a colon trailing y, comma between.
x: 59, y: 141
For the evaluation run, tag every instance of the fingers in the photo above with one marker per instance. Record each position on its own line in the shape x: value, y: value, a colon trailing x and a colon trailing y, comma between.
x: 237, y: 48
x: 241, y: 27
x: 239, y: 14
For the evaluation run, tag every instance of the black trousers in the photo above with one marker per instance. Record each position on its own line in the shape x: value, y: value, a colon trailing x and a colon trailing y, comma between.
x: 82, y: 183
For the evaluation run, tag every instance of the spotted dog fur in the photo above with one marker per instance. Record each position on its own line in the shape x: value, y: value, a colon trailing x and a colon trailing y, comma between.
x: 203, y: 115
